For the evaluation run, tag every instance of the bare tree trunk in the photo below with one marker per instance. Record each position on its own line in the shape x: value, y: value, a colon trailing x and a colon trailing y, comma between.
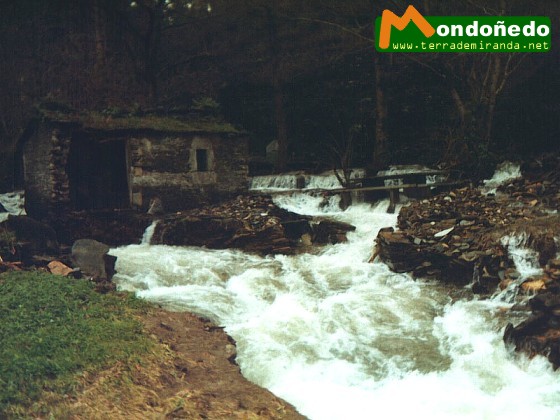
x: 281, y: 128
x: 461, y: 110
x: 279, y: 111
x: 491, y: 97
x: 152, y: 42
x: 380, y: 151
x: 100, y: 39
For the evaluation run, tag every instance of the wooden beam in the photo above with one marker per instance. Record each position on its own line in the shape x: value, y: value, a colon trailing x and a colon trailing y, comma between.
x: 340, y: 190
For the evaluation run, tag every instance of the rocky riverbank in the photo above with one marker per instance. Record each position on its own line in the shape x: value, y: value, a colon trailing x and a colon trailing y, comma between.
x: 251, y: 223
x: 200, y: 378
x: 69, y: 352
x: 466, y: 237
x: 197, y: 378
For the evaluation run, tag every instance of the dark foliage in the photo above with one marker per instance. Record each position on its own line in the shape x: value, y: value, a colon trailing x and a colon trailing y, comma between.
x: 302, y: 73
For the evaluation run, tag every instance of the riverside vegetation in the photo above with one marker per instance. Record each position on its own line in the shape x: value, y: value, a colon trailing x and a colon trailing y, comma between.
x: 71, y: 352
x: 54, y: 332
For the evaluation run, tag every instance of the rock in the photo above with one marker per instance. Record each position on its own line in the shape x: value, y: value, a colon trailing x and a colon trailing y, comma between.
x: 213, y: 233
x: 10, y: 265
x: 533, y: 285
x: 330, y: 232
x: 254, y: 224
x: 540, y: 333
x: 397, y: 251
x: 295, y: 229
x: 112, y: 227
x: 306, y: 239
x: 93, y: 260
x: 546, y: 302
x: 512, y: 273
x: 32, y: 237
x: 504, y: 284
x: 59, y: 269
x: 3, y: 209
x: 554, y: 264
x: 156, y: 206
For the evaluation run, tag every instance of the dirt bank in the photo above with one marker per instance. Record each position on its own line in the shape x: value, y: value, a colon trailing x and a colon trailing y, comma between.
x: 195, y: 376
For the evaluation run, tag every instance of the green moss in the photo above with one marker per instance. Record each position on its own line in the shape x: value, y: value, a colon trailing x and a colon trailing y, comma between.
x: 53, y: 328
x: 100, y: 121
x: 112, y: 120
x: 7, y: 242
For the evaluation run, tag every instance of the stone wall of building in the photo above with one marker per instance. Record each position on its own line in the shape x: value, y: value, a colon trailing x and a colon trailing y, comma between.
x: 44, y: 164
x: 166, y: 167
x: 185, y: 170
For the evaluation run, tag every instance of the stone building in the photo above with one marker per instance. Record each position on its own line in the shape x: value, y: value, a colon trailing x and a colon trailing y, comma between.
x: 91, y: 161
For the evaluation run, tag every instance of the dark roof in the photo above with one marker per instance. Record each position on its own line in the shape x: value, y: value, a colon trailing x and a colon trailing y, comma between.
x: 101, y: 121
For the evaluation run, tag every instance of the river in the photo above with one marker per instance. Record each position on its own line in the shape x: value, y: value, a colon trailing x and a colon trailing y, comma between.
x: 341, y: 338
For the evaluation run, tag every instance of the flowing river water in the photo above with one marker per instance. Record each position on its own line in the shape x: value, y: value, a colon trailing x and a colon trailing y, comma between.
x: 341, y: 338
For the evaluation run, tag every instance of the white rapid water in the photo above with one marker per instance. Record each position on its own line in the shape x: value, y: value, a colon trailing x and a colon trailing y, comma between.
x: 149, y: 233
x: 14, y: 203
x: 526, y: 261
x: 326, y: 180
x: 505, y: 172
x: 341, y: 338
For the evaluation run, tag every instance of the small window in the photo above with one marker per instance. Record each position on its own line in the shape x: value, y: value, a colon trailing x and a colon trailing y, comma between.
x: 201, y: 160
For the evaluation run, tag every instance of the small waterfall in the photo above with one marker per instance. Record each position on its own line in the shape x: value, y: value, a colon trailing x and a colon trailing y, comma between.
x: 149, y: 233
x: 526, y: 261
x: 274, y: 182
x: 325, y: 181
x: 505, y: 172
x: 14, y: 203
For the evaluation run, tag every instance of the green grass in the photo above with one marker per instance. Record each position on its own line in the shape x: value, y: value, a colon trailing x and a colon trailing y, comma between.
x: 160, y: 123
x: 53, y: 328
x: 166, y: 124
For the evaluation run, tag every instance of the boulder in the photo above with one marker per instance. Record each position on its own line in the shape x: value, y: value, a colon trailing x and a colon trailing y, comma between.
x: 540, y: 333
x: 211, y: 232
x: 156, y: 207
x: 254, y: 224
x: 330, y: 232
x: 93, y: 259
x: 112, y: 227
x: 59, y: 269
x: 32, y: 237
x: 397, y: 251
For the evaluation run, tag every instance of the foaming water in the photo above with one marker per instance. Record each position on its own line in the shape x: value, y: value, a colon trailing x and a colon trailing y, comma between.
x: 526, y: 261
x: 505, y: 172
x: 341, y: 338
x: 326, y: 181
x: 149, y: 233
x: 13, y: 203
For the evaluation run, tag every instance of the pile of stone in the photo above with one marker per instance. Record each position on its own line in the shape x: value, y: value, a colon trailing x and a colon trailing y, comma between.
x: 252, y: 223
x: 58, y: 160
x: 540, y: 183
x: 540, y: 333
x: 458, y: 237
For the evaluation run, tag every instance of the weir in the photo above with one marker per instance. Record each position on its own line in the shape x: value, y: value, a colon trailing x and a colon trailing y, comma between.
x: 413, y: 181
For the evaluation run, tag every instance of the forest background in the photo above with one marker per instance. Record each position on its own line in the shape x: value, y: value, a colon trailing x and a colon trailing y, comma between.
x: 304, y: 73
